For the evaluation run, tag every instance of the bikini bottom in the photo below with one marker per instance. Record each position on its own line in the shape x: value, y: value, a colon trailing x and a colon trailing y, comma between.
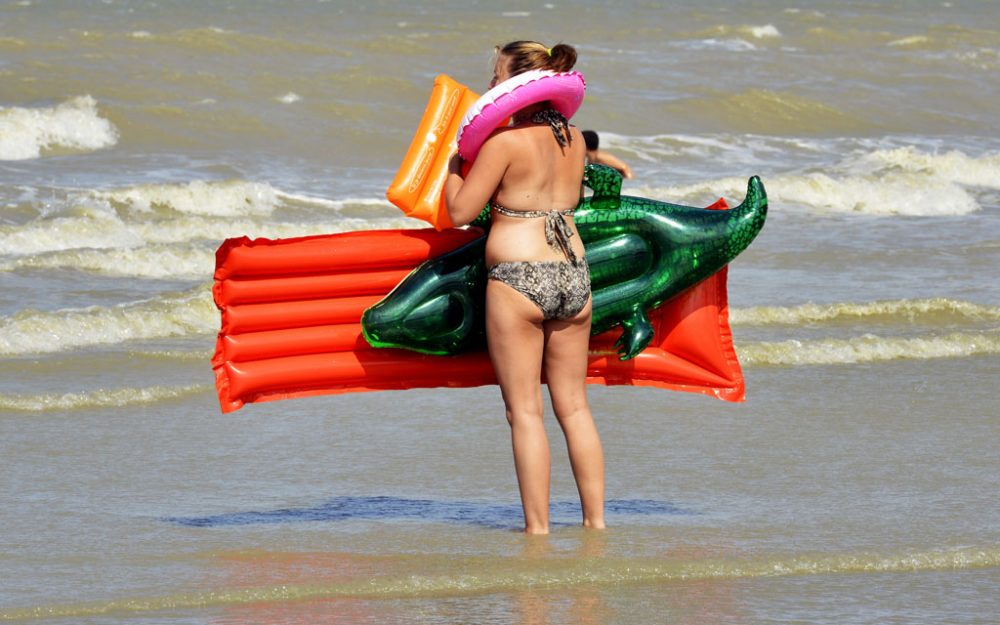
x: 560, y: 289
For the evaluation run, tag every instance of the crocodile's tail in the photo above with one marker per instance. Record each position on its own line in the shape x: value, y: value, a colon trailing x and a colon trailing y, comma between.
x: 747, y: 219
x: 756, y: 196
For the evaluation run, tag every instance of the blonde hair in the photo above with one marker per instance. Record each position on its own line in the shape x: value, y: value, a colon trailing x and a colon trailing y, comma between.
x: 523, y: 56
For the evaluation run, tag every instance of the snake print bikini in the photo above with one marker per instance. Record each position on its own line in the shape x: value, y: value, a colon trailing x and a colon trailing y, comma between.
x: 559, y: 288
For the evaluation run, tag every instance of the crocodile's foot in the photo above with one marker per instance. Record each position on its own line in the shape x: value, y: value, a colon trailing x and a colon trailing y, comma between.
x: 637, y: 334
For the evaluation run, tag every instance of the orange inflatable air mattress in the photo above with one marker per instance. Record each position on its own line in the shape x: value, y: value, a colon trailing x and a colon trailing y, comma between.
x: 291, y: 324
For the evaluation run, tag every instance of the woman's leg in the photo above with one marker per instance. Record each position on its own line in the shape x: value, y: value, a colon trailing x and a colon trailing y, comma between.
x: 566, y: 345
x: 515, y: 338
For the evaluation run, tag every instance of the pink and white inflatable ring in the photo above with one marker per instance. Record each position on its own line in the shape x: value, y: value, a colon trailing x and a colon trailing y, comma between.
x: 563, y: 89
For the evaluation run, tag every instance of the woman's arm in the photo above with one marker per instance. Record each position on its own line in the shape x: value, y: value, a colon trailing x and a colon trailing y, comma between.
x: 466, y: 196
x: 605, y: 158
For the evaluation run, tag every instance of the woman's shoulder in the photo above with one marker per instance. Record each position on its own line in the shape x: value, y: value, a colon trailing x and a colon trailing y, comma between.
x: 503, y: 139
x: 512, y: 135
x: 504, y: 133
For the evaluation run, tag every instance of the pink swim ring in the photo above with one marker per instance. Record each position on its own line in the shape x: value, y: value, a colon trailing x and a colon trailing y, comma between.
x: 564, y: 89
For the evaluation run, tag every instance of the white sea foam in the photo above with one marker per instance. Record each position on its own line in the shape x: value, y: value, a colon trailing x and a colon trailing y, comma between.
x: 899, y: 310
x: 712, y: 43
x: 178, y: 261
x: 871, y: 178
x: 97, y: 399
x: 176, y: 354
x: 892, y: 193
x: 797, y: 11
x: 196, y: 228
x: 289, y: 98
x: 82, y: 237
x: 221, y: 198
x: 226, y: 198
x: 981, y: 58
x: 913, y: 40
x: 93, y: 225
x: 744, y: 152
x: 575, y: 573
x: 322, y: 202
x: 656, y: 148
x: 133, y: 217
x: 889, y: 193
x: 75, y: 124
x: 952, y: 166
x: 731, y: 38
x: 869, y: 348
x: 767, y: 31
x: 172, y: 315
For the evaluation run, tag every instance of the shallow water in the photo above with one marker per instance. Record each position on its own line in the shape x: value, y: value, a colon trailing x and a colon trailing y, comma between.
x: 857, y: 484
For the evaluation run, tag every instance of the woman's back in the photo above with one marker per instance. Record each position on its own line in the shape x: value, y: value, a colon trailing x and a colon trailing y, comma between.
x: 540, y: 176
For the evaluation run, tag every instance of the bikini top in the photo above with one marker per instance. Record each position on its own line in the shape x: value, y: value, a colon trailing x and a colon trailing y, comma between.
x: 557, y: 231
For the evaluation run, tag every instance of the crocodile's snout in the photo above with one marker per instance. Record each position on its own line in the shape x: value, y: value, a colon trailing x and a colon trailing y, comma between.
x: 437, y: 309
x: 397, y: 323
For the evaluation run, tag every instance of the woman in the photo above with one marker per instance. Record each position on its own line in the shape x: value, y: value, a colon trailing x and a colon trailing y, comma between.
x: 538, y: 303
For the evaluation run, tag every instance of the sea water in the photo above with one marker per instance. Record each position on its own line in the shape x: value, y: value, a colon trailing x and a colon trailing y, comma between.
x: 857, y: 484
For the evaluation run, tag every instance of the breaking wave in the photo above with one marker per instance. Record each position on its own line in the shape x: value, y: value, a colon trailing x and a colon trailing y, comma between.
x: 934, y: 309
x: 76, y: 124
x: 511, y: 575
x: 966, y: 319
x: 869, y: 348
x: 903, y: 181
x: 97, y: 399
x: 158, y: 261
x: 171, y: 315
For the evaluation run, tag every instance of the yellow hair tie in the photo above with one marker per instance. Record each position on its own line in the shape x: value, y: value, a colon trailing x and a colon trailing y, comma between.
x: 549, y: 51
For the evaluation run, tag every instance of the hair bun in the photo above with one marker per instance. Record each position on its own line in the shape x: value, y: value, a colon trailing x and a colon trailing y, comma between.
x: 522, y: 56
x: 563, y: 57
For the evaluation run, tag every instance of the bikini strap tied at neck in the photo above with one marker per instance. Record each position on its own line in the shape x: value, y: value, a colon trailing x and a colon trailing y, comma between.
x: 557, y: 121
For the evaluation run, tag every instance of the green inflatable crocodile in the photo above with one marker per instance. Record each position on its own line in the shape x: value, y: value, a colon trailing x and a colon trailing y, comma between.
x: 641, y: 253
